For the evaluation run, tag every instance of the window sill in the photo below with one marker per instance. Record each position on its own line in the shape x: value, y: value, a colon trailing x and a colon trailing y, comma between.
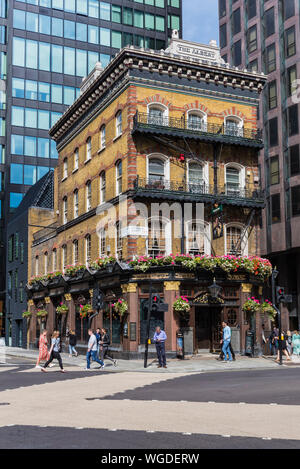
x: 75, y: 170
x: 87, y: 161
x: 117, y: 137
x: 63, y: 179
x: 101, y: 149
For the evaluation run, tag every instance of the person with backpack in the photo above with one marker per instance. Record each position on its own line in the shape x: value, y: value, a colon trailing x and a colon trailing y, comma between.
x: 55, y: 350
x: 104, y: 344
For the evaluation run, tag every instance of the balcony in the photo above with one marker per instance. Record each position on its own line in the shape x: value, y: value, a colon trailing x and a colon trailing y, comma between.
x: 204, y: 132
x: 251, y: 196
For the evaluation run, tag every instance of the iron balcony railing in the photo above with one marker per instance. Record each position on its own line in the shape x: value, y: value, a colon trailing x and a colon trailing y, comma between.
x: 200, y: 188
x: 210, y: 131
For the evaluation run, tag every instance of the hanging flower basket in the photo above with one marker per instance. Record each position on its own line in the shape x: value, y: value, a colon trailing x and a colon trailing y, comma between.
x: 268, y: 308
x: 120, y: 306
x: 27, y: 314
x: 252, y: 305
x: 42, y: 313
x: 62, y: 309
x: 181, y: 305
x: 85, y: 310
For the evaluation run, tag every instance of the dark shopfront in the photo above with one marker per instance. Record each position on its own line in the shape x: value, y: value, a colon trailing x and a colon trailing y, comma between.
x: 128, y: 332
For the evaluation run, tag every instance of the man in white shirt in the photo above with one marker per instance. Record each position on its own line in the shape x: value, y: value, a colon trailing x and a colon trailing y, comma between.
x: 92, y: 351
x: 226, y: 341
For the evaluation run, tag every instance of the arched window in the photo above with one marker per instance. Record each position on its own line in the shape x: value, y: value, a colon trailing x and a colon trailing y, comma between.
x: 54, y: 260
x: 102, y: 187
x: 119, y: 241
x: 234, y: 126
x: 118, y: 177
x: 157, y: 115
x: 156, y: 170
x: 88, y: 245
x: 88, y: 190
x: 45, y: 263
x: 102, y: 137
x: 76, y: 205
x: 76, y: 159
x: 36, y: 265
x: 118, y: 124
x: 234, y: 179
x: 75, y: 251
x: 197, y: 120
x: 88, y: 149
x: 64, y: 257
x: 235, y: 245
x: 65, y: 168
x: 198, y: 238
x: 195, y: 177
x: 65, y: 210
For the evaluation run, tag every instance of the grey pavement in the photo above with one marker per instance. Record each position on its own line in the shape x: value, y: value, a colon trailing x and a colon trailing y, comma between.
x: 194, y: 364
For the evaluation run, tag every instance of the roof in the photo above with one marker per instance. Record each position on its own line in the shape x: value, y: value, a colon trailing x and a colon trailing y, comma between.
x: 39, y: 195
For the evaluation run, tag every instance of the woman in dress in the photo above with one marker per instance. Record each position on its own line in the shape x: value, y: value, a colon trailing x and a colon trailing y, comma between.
x: 54, y: 352
x: 296, y: 343
x: 43, y: 349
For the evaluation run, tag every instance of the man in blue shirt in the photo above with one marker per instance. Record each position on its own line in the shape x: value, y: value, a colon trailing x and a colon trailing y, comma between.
x: 159, y: 339
x: 226, y: 341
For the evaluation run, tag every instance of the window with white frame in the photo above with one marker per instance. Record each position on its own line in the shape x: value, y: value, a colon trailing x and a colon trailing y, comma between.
x: 75, y: 251
x: 102, y: 243
x: 119, y: 241
x: 235, y: 245
x: 45, y: 263
x: 102, y: 187
x: 233, y: 178
x: 198, y: 238
x: 197, y: 121
x: 195, y: 177
x: 88, y: 149
x: 64, y: 256
x: 119, y: 177
x: 234, y: 126
x: 156, y: 170
x: 65, y: 210
x: 118, y: 124
x: 65, y: 168
x: 76, y: 159
x: 54, y: 260
x: 156, y: 238
x: 88, y: 246
x: 88, y: 190
x: 157, y: 115
x: 36, y: 265
x: 76, y: 203
x: 102, y: 137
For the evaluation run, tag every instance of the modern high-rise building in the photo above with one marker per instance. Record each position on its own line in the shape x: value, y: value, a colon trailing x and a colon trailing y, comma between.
x: 46, y: 48
x: 264, y: 36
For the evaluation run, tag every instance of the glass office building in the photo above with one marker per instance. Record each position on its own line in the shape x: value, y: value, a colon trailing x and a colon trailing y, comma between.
x: 46, y: 48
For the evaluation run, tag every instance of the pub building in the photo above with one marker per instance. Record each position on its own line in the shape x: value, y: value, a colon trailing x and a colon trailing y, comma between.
x: 163, y: 129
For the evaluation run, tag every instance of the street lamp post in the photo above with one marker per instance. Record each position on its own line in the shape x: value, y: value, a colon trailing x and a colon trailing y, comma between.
x: 214, y: 289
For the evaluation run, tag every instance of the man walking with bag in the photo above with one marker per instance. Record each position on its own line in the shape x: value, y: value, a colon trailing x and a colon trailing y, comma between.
x: 92, y: 351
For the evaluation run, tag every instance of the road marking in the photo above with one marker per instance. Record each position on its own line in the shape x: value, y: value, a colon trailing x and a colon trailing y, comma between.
x: 187, y: 434
x: 226, y: 436
x: 267, y: 438
x: 183, y: 401
x: 112, y: 429
x: 150, y: 431
x: 273, y: 403
x: 242, y: 403
x: 211, y: 402
x: 79, y: 428
x: 154, y: 400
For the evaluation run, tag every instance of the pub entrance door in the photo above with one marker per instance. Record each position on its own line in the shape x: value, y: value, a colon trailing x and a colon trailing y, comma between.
x: 208, y: 328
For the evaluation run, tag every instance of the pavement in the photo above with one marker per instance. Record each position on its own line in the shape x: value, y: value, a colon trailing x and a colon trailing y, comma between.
x: 133, y: 409
x: 205, y: 362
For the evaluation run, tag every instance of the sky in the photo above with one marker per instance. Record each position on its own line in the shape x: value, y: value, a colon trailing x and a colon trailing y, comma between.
x: 200, y: 20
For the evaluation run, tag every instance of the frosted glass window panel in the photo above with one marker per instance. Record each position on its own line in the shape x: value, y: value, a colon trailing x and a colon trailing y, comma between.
x: 105, y: 37
x: 44, y: 92
x: 160, y: 23
x: 69, y: 95
x: 43, y: 119
x: 81, y: 32
x: 81, y: 56
x: 57, y: 59
x: 45, y: 24
x: 45, y: 3
x: 93, y: 34
x: 53, y: 151
x: 54, y: 117
x: 56, y: 94
x: 93, y: 8
x: 57, y: 27
x: 32, y: 22
x: 58, y: 4
x: 18, y: 85
x: 31, y: 54
x: 17, y: 116
x: 104, y: 59
x: 29, y: 146
x: 18, y: 51
x: 19, y: 19
x: 116, y: 39
x: 70, y: 6
x: 16, y: 173
x: 93, y: 57
x: 31, y: 89
x: 105, y: 11
x: 43, y: 148
x: 81, y: 7
x: 138, y: 19
x: 30, y: 118
x: 29, y: 174
x: 44, y: 56
x: 149, y: 21
x: 69, y: 29
x: 17, y: 144
x: 69, y: 61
